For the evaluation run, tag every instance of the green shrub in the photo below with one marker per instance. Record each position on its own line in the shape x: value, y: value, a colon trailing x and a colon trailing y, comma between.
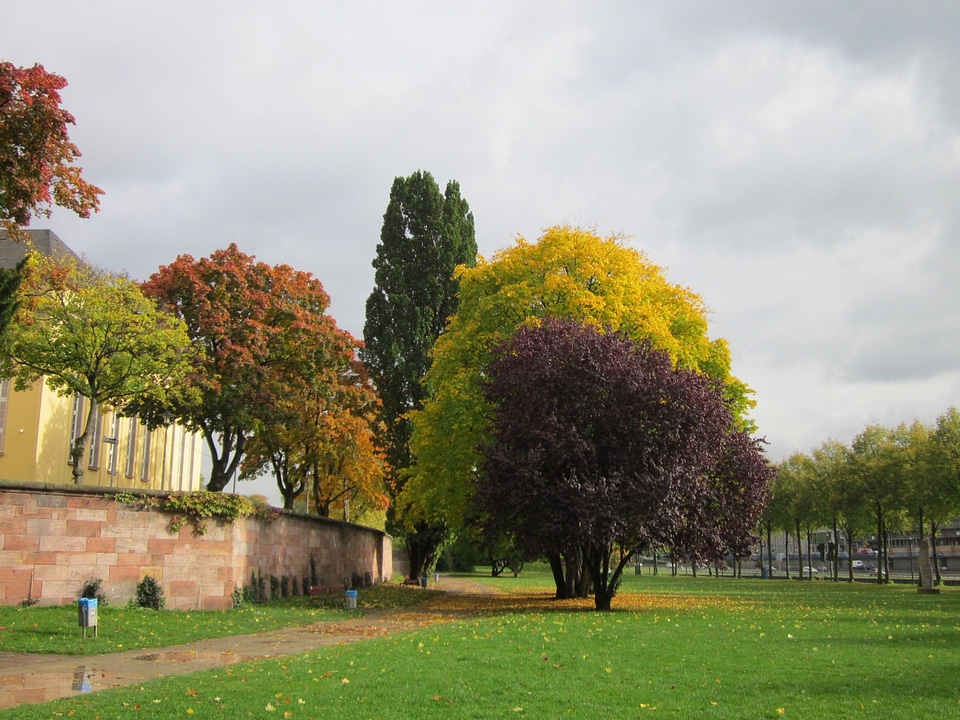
x: 150, y: 594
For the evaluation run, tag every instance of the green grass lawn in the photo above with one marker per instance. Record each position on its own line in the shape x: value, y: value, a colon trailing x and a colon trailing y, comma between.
x: 56, y: 629
x: 673, y: 647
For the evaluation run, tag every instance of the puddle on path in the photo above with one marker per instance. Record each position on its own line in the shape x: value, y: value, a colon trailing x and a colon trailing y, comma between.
x: 35, y: 687
x: 42, y: 686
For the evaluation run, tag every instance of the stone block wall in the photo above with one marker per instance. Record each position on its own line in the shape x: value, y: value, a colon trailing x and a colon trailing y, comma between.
x: 53, y: 539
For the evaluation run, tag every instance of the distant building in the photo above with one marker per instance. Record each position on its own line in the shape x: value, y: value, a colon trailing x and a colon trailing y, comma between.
x: 37, y: 426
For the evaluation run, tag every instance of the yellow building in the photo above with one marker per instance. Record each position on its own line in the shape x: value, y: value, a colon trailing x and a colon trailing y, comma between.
x: 37, y: 428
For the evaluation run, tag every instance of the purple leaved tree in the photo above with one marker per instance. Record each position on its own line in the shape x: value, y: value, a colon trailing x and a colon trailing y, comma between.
x: 600, y: 444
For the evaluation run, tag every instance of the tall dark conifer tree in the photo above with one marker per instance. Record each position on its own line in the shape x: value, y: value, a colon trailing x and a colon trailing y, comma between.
x: 425, y: 235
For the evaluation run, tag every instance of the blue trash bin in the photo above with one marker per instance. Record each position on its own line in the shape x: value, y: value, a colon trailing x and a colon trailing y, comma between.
x: 351, y: 599
x: 87, y: 612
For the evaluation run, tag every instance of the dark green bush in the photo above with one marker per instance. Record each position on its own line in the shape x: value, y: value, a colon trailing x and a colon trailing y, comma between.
x: 150, y: 594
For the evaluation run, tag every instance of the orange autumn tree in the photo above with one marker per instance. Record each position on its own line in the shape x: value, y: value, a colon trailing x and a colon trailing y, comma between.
x: 349, y: 470
x: 37, y: 159
x: 320, y: 438
x: 261, y: 332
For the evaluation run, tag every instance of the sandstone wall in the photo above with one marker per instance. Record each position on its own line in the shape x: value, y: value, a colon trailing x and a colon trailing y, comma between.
x: 53, y: 539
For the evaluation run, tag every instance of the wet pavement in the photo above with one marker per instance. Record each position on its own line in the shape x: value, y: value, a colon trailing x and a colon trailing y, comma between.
x: 32, y: 678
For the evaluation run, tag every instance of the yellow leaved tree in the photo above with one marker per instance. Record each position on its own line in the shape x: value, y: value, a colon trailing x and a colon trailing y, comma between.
x: 568, y: 273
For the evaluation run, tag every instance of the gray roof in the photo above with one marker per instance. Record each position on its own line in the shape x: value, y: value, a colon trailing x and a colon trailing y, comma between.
x: 42, y: 241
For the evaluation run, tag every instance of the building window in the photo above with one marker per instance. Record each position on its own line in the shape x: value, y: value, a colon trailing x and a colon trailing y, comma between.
x: 132, y: 447
x: 183, y: 454
x: 95, y: 439
x: 76, y: 427
x: 145, y: 459
x: 4, y: 397
x: 111, y: 439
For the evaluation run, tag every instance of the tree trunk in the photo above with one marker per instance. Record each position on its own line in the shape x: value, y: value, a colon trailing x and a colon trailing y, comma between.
x: 799, y: 550
x: 879, y: 513
x: 937, y: 578
x: 848, y: 530
x: 571, y: 566
x: 769, y: 551
x: 885, y: 544
x: 786, y: 550
x: 597, y: 563
x: 920, y: 525
x: 835, y: 560
x: 79, y: 446
x: 423, y: 545
x: 289, y: 491
x: 578, y: 575
x: 556, y: 567
x: 225, y: 462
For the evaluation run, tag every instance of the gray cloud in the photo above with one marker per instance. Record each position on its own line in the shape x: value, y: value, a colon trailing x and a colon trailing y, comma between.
x: 794, y: 163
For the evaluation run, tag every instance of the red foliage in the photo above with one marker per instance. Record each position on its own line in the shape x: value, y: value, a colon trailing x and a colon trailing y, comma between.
x: 259, y: 328
x: 36, y: 155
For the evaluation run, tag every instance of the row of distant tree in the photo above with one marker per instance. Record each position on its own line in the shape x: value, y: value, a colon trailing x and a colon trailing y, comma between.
x: 888, y: 480
x: 563, y: 399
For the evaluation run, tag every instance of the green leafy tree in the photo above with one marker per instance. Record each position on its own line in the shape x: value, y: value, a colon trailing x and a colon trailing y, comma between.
x: 830, y: 468
x: 878, y: 464
x: 786, y: 493
x: 425, y: 236
x: 37, y: 158
x: 569, y: 273
x: 808, y: 511
x: 777, y: 515
x: 945, y: 451
x: 87, y: 332
x: 941, y: 461
x: 928, y: 493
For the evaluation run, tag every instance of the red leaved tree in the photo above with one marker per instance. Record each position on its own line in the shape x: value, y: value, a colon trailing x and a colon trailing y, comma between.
x: 601, y: 445
x: 258, y: 328
x: 37, y: 158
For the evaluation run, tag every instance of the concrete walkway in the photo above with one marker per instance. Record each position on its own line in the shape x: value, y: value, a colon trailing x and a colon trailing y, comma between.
x: 31, y: 678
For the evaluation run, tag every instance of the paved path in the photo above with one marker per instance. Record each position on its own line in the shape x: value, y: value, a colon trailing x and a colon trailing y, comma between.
x: 32, y: 678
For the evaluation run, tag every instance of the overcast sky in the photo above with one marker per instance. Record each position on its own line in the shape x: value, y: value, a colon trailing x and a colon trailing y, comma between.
x: 796, y: 164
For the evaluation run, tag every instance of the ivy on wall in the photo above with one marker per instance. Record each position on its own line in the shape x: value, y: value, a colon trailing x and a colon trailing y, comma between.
x: 196, y: 508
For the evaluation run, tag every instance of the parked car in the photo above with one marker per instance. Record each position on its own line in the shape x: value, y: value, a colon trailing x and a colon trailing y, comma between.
x: 809, y: 571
